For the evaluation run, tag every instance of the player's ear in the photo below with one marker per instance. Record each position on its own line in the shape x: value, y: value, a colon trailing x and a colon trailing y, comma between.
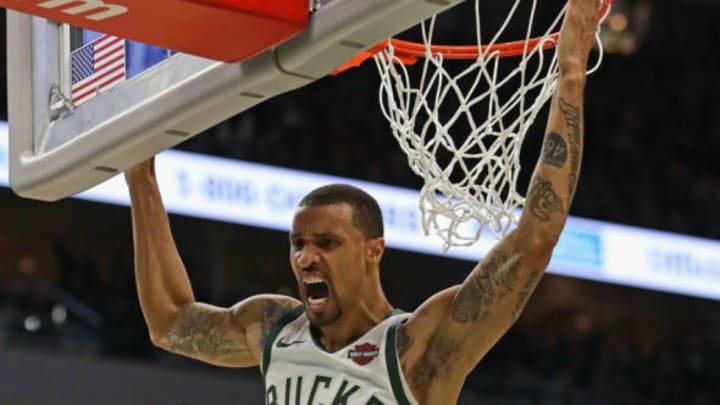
x: 375, y: 249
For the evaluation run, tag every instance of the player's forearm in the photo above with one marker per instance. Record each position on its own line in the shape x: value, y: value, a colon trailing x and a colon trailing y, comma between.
x: 162, y: 283
x: 497, y: 290
x: 556, y: 174
x: 553, y: 184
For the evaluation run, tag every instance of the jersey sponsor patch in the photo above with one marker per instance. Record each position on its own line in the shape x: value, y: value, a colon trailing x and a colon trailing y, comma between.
x: 364, y: 353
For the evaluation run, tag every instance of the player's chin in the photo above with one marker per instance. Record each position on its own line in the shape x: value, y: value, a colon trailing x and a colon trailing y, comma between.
x: 322, y: 315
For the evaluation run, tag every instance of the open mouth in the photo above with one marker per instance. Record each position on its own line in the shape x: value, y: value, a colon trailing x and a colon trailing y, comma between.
x: 316, y: 291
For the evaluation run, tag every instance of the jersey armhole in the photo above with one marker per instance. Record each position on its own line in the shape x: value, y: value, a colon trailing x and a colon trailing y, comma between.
x: 290, y: 316
x: 393, y: 364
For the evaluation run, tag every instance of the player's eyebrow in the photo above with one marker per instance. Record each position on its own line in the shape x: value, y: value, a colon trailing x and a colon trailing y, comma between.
x: 328, y: 235
x: 298, y: 235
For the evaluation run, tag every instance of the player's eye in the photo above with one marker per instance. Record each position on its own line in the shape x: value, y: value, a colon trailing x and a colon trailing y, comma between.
x: 324, y: 242
x: 297, y: 244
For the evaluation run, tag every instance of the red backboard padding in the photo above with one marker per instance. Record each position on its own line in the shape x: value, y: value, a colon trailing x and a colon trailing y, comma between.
x: 225, y: 30
x: 291, y: 10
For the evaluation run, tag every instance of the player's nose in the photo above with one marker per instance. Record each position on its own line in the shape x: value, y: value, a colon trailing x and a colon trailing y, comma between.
x: 307, y: 257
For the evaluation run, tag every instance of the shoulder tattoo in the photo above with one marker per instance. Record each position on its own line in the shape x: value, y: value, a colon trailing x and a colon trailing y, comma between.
x: 272, y: 311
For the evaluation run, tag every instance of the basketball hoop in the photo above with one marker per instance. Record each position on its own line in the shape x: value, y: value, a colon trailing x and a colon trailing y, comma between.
x: 462, y: 127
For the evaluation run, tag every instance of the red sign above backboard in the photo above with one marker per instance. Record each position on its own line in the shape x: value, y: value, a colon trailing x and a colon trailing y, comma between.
x: 225, y: 30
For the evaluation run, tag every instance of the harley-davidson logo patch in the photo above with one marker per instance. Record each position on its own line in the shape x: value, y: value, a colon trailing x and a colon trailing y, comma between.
x: 363, y: 354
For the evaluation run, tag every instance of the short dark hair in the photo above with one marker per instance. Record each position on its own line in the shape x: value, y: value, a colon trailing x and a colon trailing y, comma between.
x: 367, y: 216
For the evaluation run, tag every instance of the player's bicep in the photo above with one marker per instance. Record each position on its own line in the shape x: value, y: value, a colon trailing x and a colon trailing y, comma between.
x: 492, y: 297
x: 230, y: 337
x: 495, y: 290
x: 469, y: 318
x: 208, y: 333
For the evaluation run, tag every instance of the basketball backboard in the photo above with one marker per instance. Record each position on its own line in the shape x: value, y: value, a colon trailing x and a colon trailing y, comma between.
x: 63, y: 142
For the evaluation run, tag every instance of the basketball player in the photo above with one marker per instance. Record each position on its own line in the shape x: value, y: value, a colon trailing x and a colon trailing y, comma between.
x: 342, y: 342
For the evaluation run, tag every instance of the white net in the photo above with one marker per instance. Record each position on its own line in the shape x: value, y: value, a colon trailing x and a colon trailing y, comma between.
x: 462, y: 123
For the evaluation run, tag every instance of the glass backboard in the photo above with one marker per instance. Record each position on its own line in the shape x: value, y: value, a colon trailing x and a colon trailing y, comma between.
x: 67, y: 135
x: 99, y: 62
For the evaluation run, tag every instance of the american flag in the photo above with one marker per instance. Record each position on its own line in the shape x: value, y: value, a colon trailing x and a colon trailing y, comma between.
x: 97, y: 67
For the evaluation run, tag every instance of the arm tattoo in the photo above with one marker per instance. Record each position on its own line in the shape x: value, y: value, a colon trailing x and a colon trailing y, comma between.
x: 572, y: 120
x: 492, y: 281
x: 543, y: 200
x: 524, y: 295
x: 202, y: 333
x: 554, y: 151
x: 272, y: 312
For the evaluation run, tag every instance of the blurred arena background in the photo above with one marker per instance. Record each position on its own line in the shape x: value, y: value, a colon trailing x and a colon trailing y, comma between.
x: 71, y: 331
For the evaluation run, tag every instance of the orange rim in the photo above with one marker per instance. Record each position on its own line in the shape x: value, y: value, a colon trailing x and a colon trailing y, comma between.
x: 408, y: 52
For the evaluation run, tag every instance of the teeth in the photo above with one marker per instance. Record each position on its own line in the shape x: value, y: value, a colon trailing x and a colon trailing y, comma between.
x: 316, y: 301
x: 313, y: 280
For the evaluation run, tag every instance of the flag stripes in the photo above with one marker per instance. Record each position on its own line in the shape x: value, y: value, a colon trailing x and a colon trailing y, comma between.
x: 96, y: 67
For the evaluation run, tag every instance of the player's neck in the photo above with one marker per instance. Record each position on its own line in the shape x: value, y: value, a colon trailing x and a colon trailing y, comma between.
x: 371, y: 309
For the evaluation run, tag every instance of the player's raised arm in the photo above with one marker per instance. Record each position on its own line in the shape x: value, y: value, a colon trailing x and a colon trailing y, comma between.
x: 451, y: 332
x: 177, y: 323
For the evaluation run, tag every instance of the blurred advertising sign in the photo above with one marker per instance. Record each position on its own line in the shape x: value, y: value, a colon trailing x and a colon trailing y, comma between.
x: 265, y: 196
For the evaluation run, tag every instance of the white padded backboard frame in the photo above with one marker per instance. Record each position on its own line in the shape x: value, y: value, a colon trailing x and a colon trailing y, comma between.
x: 54, y: 158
